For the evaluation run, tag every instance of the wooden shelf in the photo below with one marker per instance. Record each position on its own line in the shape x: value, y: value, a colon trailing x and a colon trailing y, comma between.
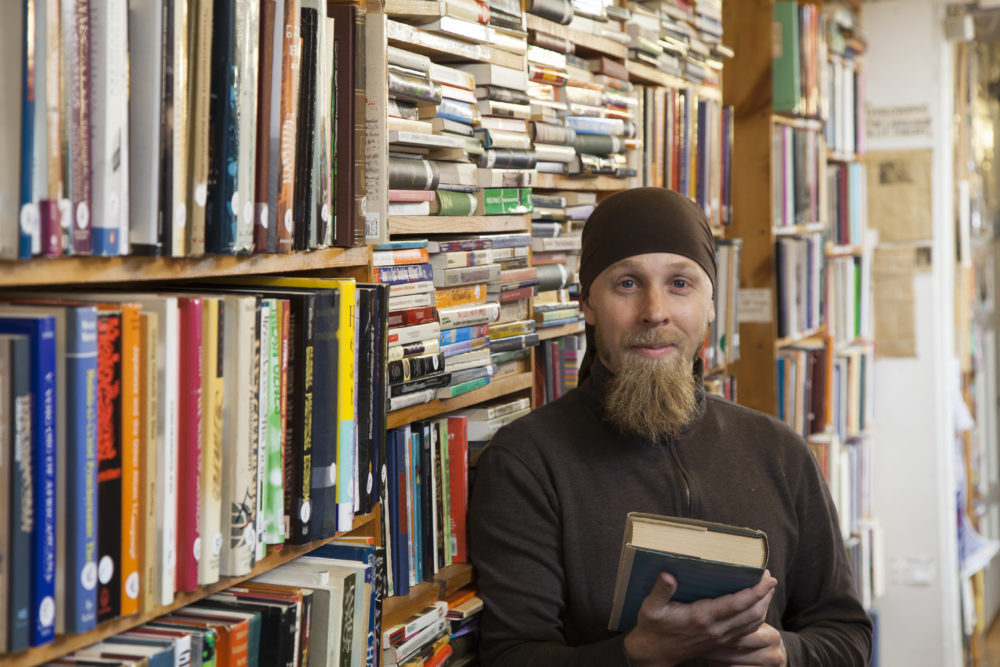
x: 446, y: 48
x: 499, y: 387
x: 124, y: 270
x: 549, y: 333
x: 818, y: 332
x: 798, y: 122
x: 845, y: 251
x: 560, y: 182
x: 68, y: 643
x: 397, y: 609
x: 458, y: 224
x: 838, y: 156
x: 585, y: 42
x: 414, y: 10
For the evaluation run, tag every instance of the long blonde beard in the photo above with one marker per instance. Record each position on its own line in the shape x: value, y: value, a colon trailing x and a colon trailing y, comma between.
x: 651, y: 397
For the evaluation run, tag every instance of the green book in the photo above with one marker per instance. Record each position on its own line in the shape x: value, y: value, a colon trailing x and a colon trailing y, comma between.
x: 504, y: 201
x: 455, y: 203
x: 274, y: 493
x: 786, y: 77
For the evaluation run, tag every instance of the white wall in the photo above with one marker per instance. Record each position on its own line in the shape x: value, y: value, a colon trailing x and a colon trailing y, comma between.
x: 910, y: 63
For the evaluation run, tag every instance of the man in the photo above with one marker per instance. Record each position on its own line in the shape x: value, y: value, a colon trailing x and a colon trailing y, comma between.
x: 552, y: 490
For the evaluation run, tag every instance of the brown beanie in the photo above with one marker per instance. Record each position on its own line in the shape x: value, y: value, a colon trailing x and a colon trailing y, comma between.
x: 637, y: 222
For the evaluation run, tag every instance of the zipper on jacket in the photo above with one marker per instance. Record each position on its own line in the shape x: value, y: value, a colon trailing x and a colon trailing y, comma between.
x: 670, y: 444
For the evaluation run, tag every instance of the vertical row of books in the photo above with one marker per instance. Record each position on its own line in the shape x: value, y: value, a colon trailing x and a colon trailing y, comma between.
x: 161, y: 440
x: 222, y: 135
x: 323, y: 608
x: 823, y: 261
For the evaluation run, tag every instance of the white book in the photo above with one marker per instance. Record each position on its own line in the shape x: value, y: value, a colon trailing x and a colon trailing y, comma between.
x: 245, y: 64
x: 410, y: 208
x: 451, y: 76
x: 327, y: 610
x: 11, y: 94
x: 498, y: 75
x: 468, y: 30
x: 413, y: 398
x: 461, y: 316
x: 414, y: 333
x: 398, y: 654
x: 180, y: 86
x: 108, y: 56
x: 408, y: 301
x: 466, y: 275
x: 418, y: 287
x: 145, y: 121
x: 239, y: 456
x: 460, y: 258
x: 420, y: 139
x: 263, y: 413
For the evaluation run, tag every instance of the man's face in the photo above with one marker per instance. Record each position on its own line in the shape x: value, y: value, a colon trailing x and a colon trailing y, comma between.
x: 656, y: 306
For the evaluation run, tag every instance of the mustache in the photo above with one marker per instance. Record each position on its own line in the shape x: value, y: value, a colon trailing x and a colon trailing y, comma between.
x: 651, y: 337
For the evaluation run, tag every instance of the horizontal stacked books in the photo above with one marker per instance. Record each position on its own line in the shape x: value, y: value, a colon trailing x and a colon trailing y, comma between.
x: 222, y: 135
x: 140, y: 479
x: 324, y: 607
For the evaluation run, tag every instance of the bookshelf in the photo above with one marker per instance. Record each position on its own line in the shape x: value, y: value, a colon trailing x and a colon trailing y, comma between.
x: 363, y: 525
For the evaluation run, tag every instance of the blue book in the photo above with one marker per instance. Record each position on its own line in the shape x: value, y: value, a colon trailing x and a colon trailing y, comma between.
x: 449, y: 336
x: 223, y: 137
x: 708, y: 560
x: 461, y: 346
x: 417, y: 524
x: 397, y: 515
x: 21, y: 478
x: 41, y: 330
x: 27, y: 139
x: 81, y: 468
x: 403, y: 273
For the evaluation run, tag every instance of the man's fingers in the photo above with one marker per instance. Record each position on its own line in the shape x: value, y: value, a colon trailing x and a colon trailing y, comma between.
x: 664, y: 588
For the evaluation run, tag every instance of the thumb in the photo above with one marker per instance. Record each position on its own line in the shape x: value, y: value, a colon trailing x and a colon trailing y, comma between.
x: 664, y: 588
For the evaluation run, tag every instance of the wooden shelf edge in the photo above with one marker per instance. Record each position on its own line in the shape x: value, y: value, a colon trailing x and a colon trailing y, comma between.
x: 398, y: 609
x: 505, y: 385
x: 65, y: 644
x: 818, y: 332
x: 797, y: 121
x: 548, y: 333
x: 583, y: 40
x: 559, y: 182
x: 796, y: 230
x: 92, y: 270
x: 458, y: 224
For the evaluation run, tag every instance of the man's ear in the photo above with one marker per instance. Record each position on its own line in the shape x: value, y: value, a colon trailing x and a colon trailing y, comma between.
x: 588, y: 311
x: 711, y: 311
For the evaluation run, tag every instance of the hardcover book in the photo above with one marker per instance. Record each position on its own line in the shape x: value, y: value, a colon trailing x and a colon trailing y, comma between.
x: 708, y: 560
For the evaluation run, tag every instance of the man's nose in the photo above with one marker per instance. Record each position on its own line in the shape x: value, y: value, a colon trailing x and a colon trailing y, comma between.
x: 656, y: 307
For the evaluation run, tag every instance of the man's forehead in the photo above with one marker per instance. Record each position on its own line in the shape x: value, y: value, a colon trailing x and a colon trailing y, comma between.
x: 656, y: 260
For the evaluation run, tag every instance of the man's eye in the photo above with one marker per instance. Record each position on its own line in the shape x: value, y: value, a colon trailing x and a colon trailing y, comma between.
x: 680, y: 283
x: 627, y: 283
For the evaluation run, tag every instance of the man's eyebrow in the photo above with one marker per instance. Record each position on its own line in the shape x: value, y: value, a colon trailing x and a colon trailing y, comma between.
x: 629, y: 264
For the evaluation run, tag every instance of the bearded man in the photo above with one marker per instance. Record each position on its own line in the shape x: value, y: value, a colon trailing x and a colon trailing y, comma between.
x: 552, y: 489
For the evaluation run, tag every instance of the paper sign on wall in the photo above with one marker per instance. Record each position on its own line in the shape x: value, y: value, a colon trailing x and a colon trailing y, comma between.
x: 899, y: 194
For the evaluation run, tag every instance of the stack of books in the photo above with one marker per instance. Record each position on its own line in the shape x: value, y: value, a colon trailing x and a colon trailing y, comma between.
x: 483, y: 421
x: 464, y: 610
x: 414, y: 363
x: 507, y: 30
x: 466, y: 275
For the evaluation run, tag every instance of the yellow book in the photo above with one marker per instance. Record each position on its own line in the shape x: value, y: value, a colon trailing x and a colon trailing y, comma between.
x: 210, y: 516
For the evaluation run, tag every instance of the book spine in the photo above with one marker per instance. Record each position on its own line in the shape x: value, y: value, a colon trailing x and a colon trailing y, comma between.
x: 168, y: 425
x: 200, y: 29
x: 222, y: 205
x: 403, y: 273
x: 262, y: 367
x: 238, y: 422
x: 459, y: 334
x: 290, y: 75
x: 273, y: 489
x: 76, y: 22
x: 210, y: 490
x: 265, y: 97
x: 367, y: 376
x: 189, y: 416
x: 304, y: 200
x: 247, y: 72
x: 131, y: 394
x: 299, y: 431
x: 28, y: 211
x: 346, y: 403
x: 179, y: 214
x: 23, y: 472
x: 150, y: 565
x: 406, y: 174
x: 323, y: 478
x: 109, y: 464
x: 81, y: 478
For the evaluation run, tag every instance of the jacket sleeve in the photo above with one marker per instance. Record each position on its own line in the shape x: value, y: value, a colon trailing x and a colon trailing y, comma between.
x: 515, y: 543
x: 823, y: 621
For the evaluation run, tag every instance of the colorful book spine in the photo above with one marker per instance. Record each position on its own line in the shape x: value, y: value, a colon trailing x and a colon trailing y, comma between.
x: 130, y: 432
x: 109, y: 463
x: 273, y: 486
x: 81, y: 460
x: 28, y: 217
x: 22, y: 517
x: 189, y: 416
x: 403, y: 273
x: 284, y: 223
x: 210, y: 519
x: 346, y: 396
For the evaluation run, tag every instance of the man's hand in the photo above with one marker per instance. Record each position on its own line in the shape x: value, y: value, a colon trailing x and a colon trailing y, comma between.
x: 668, y: 633
x: 763, y: 647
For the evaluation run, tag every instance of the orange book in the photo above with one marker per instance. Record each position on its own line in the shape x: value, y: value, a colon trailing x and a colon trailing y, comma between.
x: 461, y: 295
x: 440, y: 657
x: 131, y: 432
x: 460, y: 596
x: 233, y: 631
x: 290, y: 59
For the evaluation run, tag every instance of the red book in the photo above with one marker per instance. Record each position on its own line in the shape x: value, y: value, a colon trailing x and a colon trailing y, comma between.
x: 458, y: 486
x: 401, y: 255
x: 403, y: 318
x: 540, y: 258
x: 411, y: 195
x: 515, y: 294
x: 440, y: 656
x: 189, y: 443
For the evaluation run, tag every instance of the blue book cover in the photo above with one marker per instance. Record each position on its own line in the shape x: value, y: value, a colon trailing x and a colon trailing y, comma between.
x: 449, y: 336
x: 418, y: 515
x: 81, y: 468
x: 22, y: 521
x: 42, y: 332
x: 27, y: 216
x: 395, y: 479
x: 461, y: 346
x: 697, y: 579
x: 403, y: 273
